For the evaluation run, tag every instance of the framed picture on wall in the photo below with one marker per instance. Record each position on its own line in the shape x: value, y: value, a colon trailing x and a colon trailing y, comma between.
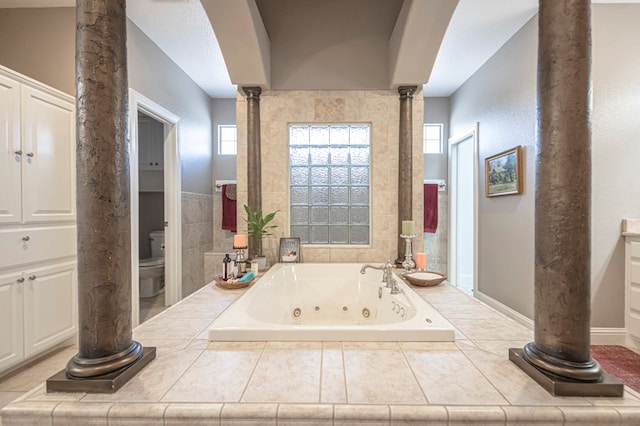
x: 290, y: 250
x: 503, y: 173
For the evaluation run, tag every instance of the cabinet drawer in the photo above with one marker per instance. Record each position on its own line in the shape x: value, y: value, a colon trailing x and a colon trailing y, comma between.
x: 26, y: 245
x: 634, y: 272
x: 634, y: 248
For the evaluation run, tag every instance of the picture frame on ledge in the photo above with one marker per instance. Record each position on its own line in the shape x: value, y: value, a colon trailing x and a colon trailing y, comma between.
x: 503, y: 173
x: 289, y: 250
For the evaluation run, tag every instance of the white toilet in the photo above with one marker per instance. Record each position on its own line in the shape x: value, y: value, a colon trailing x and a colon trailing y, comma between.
x: 151, y: 270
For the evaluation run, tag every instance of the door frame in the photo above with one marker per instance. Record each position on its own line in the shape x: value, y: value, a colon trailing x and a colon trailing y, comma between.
x: 453, y: 213
x: 172, y: 200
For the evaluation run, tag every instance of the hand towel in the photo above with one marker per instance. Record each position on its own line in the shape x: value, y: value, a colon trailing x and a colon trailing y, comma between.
x: 430, y: 207
x: 229, y: 209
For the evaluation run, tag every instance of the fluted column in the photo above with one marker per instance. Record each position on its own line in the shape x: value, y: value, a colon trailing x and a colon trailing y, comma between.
x: 560, y: 354
x: 254, y: 173
x: 105, y: 345
x: 405, y: 165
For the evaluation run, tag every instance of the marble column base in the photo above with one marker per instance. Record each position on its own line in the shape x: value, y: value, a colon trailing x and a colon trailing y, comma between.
x: 556, y: 386
x: 108, y: 383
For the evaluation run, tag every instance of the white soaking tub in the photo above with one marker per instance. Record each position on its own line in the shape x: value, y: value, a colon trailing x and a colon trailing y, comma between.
x: 321, y: 301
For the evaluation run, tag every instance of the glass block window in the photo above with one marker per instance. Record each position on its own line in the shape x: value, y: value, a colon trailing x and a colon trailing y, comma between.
x: 329, y: 183
x: 432, y: 143
x: 227, y: 140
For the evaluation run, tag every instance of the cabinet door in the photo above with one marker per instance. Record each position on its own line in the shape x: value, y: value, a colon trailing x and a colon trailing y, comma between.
x: 49, y: 306
x: 11, y: 327
x: 48, y: 166
x: 10, y: 186
x: 150, y: 144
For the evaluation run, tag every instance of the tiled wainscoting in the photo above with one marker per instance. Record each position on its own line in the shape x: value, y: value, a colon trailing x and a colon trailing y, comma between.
x: 222, y: 241
x: 197, y: 239
x: 435, y: 245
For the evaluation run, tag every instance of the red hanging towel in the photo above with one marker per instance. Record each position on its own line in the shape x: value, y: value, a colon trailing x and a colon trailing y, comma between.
x: 229, y: 208
x: 430, y: 207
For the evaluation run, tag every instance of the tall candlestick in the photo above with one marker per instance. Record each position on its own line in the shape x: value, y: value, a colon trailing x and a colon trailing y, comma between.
x: 408, y: 227
x: 421, y: 261
x: 239, y: 241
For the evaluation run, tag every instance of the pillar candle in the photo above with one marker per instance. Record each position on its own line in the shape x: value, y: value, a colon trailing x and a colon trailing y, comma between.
x: 239, y: 241
x: 408, y: 227
x: 421, y: 261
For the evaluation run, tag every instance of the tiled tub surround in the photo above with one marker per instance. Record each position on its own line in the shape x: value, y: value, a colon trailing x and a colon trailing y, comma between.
x: 196, y: 382
x: 316, y: 301
x: 380, y: 109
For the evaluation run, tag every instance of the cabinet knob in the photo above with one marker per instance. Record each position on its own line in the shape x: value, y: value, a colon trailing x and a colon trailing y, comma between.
x: 32, y: 277
x: 30, y: 154
x: 20, y: 280
x: 18, y: 152
x: 26, y: 238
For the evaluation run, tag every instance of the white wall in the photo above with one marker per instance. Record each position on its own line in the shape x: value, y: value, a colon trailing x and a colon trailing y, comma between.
x: 501, y: 96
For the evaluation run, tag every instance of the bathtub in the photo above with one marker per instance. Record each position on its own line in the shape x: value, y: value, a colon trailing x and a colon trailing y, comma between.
x: 331, y: 302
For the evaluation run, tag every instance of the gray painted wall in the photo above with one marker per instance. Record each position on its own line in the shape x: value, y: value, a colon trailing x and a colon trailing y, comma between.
x: 223, y: 112
x: 436, y: 110
x: 501, y: 96
x: 40, y: 43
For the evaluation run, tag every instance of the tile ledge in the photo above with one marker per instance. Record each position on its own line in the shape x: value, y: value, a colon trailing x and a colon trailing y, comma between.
x: 17, y: 413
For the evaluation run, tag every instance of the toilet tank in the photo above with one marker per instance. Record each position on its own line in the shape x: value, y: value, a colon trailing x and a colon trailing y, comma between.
x: 157, y: 243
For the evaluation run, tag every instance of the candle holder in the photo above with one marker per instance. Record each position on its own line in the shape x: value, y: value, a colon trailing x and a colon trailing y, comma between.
x: 241, y: 261
x: 408, y: 263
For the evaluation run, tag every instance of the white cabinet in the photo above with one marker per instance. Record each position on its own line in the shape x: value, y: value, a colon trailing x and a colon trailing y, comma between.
x: 37, y: 310
x: 11, y: 320
x: 38, y: 272
x: 150, y: 144
x: 37, y: 169
x: 10, y: 158
x: 632, y: 278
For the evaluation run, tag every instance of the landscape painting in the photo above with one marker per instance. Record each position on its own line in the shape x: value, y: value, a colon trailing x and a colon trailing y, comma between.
x: 503, y: 173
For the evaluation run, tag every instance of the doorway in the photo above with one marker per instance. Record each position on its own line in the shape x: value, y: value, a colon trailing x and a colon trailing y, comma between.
x: 169, y: 155
x: 463, y: 160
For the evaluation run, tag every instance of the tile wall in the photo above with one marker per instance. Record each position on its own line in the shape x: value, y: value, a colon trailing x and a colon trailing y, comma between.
x: 197, y: 238
x: 222, y: 241
x: 381, y: 109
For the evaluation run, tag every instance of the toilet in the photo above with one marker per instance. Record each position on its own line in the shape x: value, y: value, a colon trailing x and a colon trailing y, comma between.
x: 151, y: 270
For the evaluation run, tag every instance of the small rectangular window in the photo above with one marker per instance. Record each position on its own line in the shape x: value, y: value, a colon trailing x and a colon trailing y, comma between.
x: 329, y: 183
x: 432, y: 143
x: 227, y: 140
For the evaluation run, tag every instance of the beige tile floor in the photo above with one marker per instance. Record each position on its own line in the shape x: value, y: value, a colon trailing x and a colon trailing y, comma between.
x: 194, y: 381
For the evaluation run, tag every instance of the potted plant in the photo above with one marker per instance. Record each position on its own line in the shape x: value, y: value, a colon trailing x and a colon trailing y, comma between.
x: 258, y: 227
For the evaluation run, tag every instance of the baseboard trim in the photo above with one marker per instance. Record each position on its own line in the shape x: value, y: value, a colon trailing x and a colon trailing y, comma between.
x: 504, y: 309
x: 599, y: 335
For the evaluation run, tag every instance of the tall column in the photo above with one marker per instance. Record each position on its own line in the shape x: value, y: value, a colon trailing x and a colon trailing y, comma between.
x: 559, y: 358
x: 107, y: 356
x: 405, y: 164
x: 254, y: 173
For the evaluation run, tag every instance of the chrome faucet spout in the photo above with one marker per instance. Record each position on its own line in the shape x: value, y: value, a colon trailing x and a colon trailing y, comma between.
x: 367, y: 266
x: 387, y: 275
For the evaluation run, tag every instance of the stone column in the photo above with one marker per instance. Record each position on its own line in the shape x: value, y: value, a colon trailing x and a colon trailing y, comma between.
x: 559, y: 358
x: 254, y: 174
x: 405, y: 161
x: 106, y: 352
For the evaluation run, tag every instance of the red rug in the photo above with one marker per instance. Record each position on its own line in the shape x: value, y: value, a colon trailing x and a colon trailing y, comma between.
x: 620, y: 362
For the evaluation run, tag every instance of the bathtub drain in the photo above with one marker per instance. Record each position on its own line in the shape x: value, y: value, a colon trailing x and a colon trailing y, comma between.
x: 297, y: 312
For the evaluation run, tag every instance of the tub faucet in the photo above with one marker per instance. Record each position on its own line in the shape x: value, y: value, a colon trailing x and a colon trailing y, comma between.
x: 387, y: 275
